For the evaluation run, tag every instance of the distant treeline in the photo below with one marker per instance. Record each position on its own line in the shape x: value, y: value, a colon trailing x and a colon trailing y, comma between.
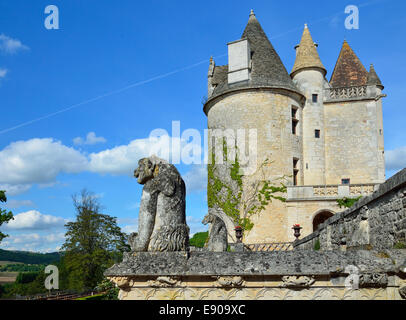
x: 22, y: 267
x: 30, y: 257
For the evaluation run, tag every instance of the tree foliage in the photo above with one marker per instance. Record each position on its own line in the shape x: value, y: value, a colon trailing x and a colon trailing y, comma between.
x: 93, y: 243
x: 30, y: 257
x: 199, y: 239
x: 5, y: 216
x: 347, y: 202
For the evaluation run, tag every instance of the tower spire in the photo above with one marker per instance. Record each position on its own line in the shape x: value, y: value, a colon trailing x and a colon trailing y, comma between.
x: 349, y: 70
x: 373, y: 78
x: 306, y: 54
x: 267, y: 67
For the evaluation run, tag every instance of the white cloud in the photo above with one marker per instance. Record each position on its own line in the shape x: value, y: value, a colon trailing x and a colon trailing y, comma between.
x: 130, y: 225
x: 24, y: 163
x: 91, y: 139
x: 195, y: 224
x: 13, y: 190
x: 40, y: 161
x: 14, y: 204
x: 396, y: 159
x: 123, y: 159
x: 196, y: 178
x: 34, y: 242
x: 3, y: 73
x: 11, y: 46
x: 34, y: 220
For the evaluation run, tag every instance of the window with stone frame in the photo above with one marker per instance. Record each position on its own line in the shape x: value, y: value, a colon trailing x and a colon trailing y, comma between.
x: 295, y: 121
x: 345, y: 181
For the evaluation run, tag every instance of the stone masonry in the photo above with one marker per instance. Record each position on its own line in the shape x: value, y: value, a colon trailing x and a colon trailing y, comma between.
x: 377, y: 221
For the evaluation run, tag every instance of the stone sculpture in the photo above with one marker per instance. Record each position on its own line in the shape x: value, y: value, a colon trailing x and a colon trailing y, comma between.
x: 162, y: 220
x: 217, y: 241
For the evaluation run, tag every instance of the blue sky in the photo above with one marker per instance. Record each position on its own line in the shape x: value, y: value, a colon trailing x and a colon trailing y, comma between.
x: 129, y: 68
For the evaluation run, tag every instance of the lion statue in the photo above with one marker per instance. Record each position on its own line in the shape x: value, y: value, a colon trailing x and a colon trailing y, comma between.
x: 162, y: 220
x: 217, y: 241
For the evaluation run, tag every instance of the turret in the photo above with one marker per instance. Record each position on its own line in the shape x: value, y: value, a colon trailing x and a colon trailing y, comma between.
x: 308, y: 74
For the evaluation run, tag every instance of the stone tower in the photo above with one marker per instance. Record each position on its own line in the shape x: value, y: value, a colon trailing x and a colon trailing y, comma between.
x: 325, y: 138
x: 308, y: 74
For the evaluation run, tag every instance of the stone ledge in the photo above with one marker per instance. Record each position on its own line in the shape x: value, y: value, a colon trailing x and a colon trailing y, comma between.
x: 298, y: 262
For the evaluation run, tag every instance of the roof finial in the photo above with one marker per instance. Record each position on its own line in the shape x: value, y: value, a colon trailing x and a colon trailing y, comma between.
x: 252, y: 13
x: 305, y: 25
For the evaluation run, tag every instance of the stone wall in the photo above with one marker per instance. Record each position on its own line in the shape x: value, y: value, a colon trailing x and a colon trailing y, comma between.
x: 377, y: 221
x: 261, y: 275
x: 354, y: 141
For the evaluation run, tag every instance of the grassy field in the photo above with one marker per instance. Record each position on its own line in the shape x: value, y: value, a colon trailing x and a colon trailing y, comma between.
x: 8, y: 277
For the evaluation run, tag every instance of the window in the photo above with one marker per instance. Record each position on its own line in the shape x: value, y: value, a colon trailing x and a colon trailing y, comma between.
x: 314, y: 98
x: 317, y: 133
x: 345, y: 181
x: 295, y: 121
x: 295, y: 171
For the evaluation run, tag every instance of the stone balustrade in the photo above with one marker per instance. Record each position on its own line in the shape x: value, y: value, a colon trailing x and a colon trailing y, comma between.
x: 350, y: 93
x: 329, y: 192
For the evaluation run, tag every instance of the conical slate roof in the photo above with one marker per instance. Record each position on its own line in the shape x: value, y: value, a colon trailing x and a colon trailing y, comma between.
x: 267, y: 68
x: 306, y: 54
x: 349, y: 71
x: 373, y: 79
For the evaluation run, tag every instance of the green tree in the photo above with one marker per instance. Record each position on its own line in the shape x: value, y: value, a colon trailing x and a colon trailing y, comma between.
x: 93, y: 243
x: 4, y: 215
x: 199, y: 239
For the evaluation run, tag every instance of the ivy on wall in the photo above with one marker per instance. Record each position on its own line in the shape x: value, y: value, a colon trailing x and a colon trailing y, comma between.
x: 347, y: 202
x: 240, y: 203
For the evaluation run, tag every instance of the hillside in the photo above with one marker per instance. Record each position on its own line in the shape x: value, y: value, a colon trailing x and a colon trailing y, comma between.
x: 29, y: 257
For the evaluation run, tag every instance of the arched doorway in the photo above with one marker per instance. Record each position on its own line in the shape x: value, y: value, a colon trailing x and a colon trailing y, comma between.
x: 320, y: 218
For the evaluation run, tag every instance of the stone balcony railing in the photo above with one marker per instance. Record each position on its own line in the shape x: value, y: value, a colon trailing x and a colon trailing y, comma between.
x: 350, y: 93
x: 329, y: 192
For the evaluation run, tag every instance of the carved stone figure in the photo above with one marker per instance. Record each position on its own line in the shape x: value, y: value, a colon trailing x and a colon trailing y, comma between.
x: 217, y: 233
x: 373, y: 280
x: 297, y: 281
x: 165, y: 282
x: 229, y: 281
x: 162, y: 220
